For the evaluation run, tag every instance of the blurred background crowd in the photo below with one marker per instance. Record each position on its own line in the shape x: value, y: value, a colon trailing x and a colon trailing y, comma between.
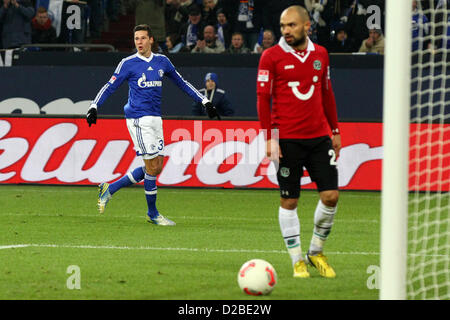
x: 203, y: 26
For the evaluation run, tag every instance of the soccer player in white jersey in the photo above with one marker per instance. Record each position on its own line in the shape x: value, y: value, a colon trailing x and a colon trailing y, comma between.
x: 144, y: 72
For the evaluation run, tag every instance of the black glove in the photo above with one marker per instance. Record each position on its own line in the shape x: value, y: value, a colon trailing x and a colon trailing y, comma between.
x: 211, y: 110
x: 91, y: 116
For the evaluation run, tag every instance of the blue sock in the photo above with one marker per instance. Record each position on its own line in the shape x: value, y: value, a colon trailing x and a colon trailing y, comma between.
x: 130, y: 178
x: 150, y: 194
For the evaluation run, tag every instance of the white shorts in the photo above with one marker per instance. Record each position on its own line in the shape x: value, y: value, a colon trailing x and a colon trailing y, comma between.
x: 147, y: 136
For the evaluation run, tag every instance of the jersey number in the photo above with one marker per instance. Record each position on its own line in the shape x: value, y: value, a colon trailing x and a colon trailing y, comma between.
x: 333, y: 157
x: 161, y: 145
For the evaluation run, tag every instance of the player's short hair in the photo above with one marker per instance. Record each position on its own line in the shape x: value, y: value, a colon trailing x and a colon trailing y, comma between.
x: 146, y: 27
x: 143, y: 27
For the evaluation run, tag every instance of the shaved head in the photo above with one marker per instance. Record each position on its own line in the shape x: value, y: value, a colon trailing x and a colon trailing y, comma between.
x: 299, y: 10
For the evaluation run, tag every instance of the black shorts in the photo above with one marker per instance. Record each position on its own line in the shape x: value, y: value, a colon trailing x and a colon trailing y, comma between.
x: 316, y: 155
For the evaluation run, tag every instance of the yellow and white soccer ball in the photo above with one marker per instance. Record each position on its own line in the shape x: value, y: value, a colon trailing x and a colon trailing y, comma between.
x: 257, y: 277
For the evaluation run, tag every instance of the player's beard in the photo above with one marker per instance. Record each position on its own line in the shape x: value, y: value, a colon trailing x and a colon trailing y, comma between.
x: 299, y: 42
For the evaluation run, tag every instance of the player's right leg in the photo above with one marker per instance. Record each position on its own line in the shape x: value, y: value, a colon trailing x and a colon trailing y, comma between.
x: 290, y: 230
x: 288, y: 175
x: 106, y: 190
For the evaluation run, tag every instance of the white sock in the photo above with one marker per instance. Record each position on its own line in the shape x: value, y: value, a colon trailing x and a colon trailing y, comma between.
x: 290, y: 229
x: 323, y: 221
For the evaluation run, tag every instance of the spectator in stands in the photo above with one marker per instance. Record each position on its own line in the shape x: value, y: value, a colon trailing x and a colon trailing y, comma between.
x: 192, y: 31
x: 340, y: 14
x: 268, y: 40
x: 96, y: 17
x: 113, y: 9
x: 441, y: 37
x: 42, y: 29
x: 249, y: 20
x: 209, y: 43
x: 420, y: 29
x: 151, y: 12
x: 173, y: 43
x: 237, y: 44
x: 223, y: 28
x: 341, y: 43
x: 15, y: 18
x: 175, y: 15
x: 375, y: 42
x: 215, y: 95
x: 356, y: 18
x: 436, y: 11
x: 209, y: 13
x: 320, y: 12
x: 187, y: 5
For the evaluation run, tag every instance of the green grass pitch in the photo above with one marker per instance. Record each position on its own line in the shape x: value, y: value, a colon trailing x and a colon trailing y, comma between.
x: 121, y: 256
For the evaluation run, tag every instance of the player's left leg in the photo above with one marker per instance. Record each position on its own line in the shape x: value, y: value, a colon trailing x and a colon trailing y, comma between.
x: 106, y: 190
x: 323, y: 219
x: 323, y: 222
x: 322, y: 169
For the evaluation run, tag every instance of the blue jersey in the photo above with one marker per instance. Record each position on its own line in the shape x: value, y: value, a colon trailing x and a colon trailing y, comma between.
x: 420, y: 30
x: 144, y: 76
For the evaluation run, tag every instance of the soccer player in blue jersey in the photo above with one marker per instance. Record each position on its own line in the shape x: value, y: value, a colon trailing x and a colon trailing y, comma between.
x: 144, y: 72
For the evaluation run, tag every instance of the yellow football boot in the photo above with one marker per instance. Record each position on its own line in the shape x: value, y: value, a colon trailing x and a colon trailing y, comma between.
x: 103, y: 196
x: 319, y: 261
x: 300, y: 269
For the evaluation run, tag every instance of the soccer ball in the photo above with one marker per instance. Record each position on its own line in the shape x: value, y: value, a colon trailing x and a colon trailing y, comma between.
x: 257, y: 277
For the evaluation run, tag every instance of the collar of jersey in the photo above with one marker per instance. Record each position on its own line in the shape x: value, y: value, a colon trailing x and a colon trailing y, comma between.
x: 287, y: 48
x: 144, y: 58
x: 283, y: 44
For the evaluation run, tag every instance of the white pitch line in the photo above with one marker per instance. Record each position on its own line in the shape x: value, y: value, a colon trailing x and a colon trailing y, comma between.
x: 13, y: 246
x: 189, y: 249
x: 165, y: 249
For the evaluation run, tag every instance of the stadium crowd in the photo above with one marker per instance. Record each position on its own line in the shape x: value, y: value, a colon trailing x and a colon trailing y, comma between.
x: 209, y: 26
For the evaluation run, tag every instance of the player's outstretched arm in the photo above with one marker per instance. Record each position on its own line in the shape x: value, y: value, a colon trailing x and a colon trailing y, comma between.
x: 120, y: 74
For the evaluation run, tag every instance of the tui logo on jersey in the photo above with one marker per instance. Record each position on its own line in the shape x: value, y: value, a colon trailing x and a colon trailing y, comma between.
x: 143, y: 83
x: 302, y: 96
